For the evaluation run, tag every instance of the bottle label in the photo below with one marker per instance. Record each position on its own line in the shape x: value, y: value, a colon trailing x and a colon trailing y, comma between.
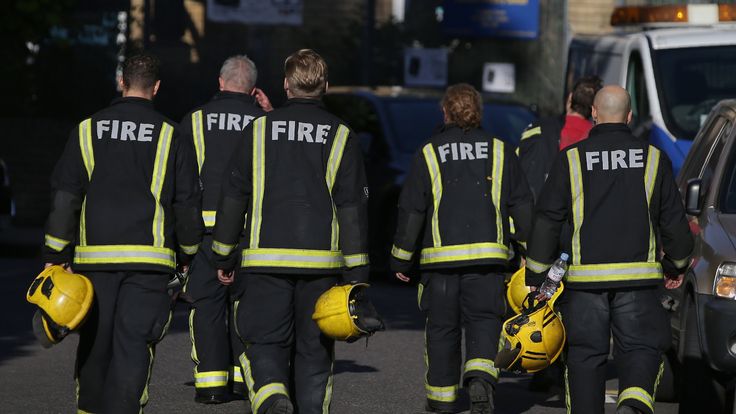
x: 556, y: 273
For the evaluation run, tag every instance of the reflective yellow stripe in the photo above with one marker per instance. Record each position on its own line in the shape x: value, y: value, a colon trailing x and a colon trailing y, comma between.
x: 576, y: 188
x: 650, y: 177
x: 353, y: 260
x: 210, y: 379
x: 537, y: 267
x: 55, y: 243
x: 614, y: 272
x: 436, y: 179
x: 328, y: 387
x: 221, y: 248
x: 124, y: 253
x: 400, y: 253
x: 298, y: 258
x: 483, y: 365
x: 636, y: 393
x: 198, y: 135
x: 681, y: 262
x: 85, y: 145
x: 442, y: 394
x: 420, y: 292
x: 460, y: 252
x: 531, y: 132
x: 259, y: 179
x: 83, y: 223
x: 266, y: 391
x: 193, y: 354
x: 333, y: 165
x: 157, y: 182
x: 496, y: 184
x: 189, y: 249
x: 208, y: 216
x: 248, y: 376
x: 237, y: 374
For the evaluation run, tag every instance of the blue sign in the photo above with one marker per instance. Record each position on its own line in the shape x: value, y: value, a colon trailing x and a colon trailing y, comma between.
x: 516, y: 19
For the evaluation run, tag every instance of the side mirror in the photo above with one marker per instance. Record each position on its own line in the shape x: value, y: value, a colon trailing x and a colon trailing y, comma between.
x: 692, y: 197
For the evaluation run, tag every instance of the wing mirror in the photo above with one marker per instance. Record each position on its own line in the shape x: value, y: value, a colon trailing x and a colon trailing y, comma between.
x: 693, y: 197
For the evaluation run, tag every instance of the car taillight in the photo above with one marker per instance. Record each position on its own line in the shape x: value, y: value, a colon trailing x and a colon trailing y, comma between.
x: 724, y: 284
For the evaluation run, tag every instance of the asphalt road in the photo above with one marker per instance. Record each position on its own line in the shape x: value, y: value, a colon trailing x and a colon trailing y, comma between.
x: 386, y: 376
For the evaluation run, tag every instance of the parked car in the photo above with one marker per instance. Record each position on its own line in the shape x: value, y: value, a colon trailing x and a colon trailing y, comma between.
x: 703, y: 355
x: 392, y: 123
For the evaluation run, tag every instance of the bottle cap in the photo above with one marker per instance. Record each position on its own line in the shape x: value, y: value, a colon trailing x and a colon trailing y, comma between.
x: 564, y: 256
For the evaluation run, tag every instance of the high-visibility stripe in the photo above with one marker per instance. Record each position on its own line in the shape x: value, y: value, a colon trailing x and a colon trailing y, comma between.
x: 259, y: 179
x: 650, y: 177
x: 537, y: 267
x: 460, y: 252
x: 436, y: 179
x: 299, y: 258
x: 656, y: 380
x: 576, y: 188
x: 328, y: 387
x: 55, y: 243
x: 636, y: 393
x: 124, y: 253
x: 614, y: 272
x: 193, y: 354
x: 353, y: 260
x: 266, y: 391
x: 248, y: 376
x: 83, y: 223
x: 208, y: 216
x: 531, y: 132
x: 189, y: 249
x: 237, y: 374
x: 568, y: 401
x: 420, y: 292
x: 442, y: 394
x: 333, y: 165
x: 483, y: 365
x: 157, y: 182
x: 400, y: 253
x: 85, y: 145
x: 198, y: 136
x: 680, y: 263
x: 210, y: 379
x: 221, y: 248
x: 496, y: 185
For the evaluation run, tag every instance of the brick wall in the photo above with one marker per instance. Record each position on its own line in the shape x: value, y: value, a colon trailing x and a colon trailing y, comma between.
x: 590, y: 16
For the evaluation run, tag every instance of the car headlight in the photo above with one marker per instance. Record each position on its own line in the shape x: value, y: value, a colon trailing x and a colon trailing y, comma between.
x: 725, y: 283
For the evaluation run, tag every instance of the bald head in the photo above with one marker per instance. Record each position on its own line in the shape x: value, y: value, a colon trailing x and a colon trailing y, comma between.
x: 612, y: 104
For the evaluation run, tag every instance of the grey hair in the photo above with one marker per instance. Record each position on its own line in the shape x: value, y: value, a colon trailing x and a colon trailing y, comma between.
x: 240, y: 73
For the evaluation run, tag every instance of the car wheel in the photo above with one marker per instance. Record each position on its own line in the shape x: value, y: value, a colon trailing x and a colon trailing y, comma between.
x: 668, y: 383
x: 701, y: 391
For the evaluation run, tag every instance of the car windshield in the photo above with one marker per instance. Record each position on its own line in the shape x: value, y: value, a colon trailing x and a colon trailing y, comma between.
x: 691, y: 81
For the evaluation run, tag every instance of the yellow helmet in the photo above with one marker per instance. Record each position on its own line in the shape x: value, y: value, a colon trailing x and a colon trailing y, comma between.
x: 63, y: 301
x: 533, y: 339
x: 517, y: 290
x: 344, y: 313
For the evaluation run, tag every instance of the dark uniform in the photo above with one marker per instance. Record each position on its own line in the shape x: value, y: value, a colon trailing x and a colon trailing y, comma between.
x: 538, y: 148
x: 618, y: 196
x: 460, y: 192
x: 126, y: 202
x: 302, y: 183
x: 216, y: 129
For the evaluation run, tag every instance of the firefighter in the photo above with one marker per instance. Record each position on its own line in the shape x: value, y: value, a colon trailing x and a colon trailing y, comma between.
x: 216, y: 129
x: 618, y: 195
x: 125, y: 213
x: 460, y: 192
x: 542, y: 140
x: 302, y: 183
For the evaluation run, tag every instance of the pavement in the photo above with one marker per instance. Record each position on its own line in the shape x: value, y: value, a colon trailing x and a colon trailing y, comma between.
x: 383, y: 375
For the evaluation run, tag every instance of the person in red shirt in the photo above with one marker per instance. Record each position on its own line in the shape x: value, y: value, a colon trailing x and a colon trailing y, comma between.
x: 578, y: 108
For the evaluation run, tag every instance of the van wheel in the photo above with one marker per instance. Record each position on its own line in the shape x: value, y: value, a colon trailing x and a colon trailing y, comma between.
x: 668, y: 383
x: 700, y: 391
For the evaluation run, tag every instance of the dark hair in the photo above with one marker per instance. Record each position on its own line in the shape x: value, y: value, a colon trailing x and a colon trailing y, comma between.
x: 463, y: 106
x: 140, y: 71
x: 583, y: 94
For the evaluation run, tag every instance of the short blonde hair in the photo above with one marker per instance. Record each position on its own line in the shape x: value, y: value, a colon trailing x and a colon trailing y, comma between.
x: 463, y: 106
x: 306, y: 73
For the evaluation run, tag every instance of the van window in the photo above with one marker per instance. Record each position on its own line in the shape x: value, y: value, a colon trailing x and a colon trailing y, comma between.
x: 700, y: 150
x: 709, y: 168
x: 637, y: 88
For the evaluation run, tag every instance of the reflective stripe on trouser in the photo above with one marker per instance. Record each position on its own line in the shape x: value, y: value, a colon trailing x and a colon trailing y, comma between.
x: 641, y: 333
x: 463, y: 252
x: 451, y: 300
x: 112, y: 343
x: 614, y: 272
x: 275, y: 319
x: 210, y: 379
x: 124, y: 254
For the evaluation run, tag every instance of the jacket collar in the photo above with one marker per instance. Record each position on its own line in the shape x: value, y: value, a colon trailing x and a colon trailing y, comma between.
x: 608, y: 128
x: 133, y: 100
x: 305, y: 101
x: 233, y: 95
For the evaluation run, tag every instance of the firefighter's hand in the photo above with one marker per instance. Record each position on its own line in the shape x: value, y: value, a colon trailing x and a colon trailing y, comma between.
x: 402, y: 277
x: 66, y: 266
x: 262, y: 99
x: 673, y: 282
x: 226, y: 278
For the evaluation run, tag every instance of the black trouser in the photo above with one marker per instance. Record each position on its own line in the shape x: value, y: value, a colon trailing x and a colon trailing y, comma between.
x: 641, y: 334
x: 129, y: 315
x: 284, y: 347
x: 453, y: 299
x: 216, y: 348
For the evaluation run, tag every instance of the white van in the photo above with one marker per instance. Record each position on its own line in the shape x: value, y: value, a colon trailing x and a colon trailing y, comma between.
x: 677, y: 62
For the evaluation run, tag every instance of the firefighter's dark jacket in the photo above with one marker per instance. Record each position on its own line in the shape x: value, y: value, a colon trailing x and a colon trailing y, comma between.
x: 126, y: 194
x: 300, y: 178
x: 215, y: 129
x: 620, y: 199
x: 538, y: 148
x: 459, y: 194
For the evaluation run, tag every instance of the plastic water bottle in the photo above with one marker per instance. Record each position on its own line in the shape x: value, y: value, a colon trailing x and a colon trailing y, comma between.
x: 554, y: 275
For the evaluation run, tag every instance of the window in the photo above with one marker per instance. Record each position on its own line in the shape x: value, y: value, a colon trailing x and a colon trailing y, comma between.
x: 637, y: 88
x: 698, y: 156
